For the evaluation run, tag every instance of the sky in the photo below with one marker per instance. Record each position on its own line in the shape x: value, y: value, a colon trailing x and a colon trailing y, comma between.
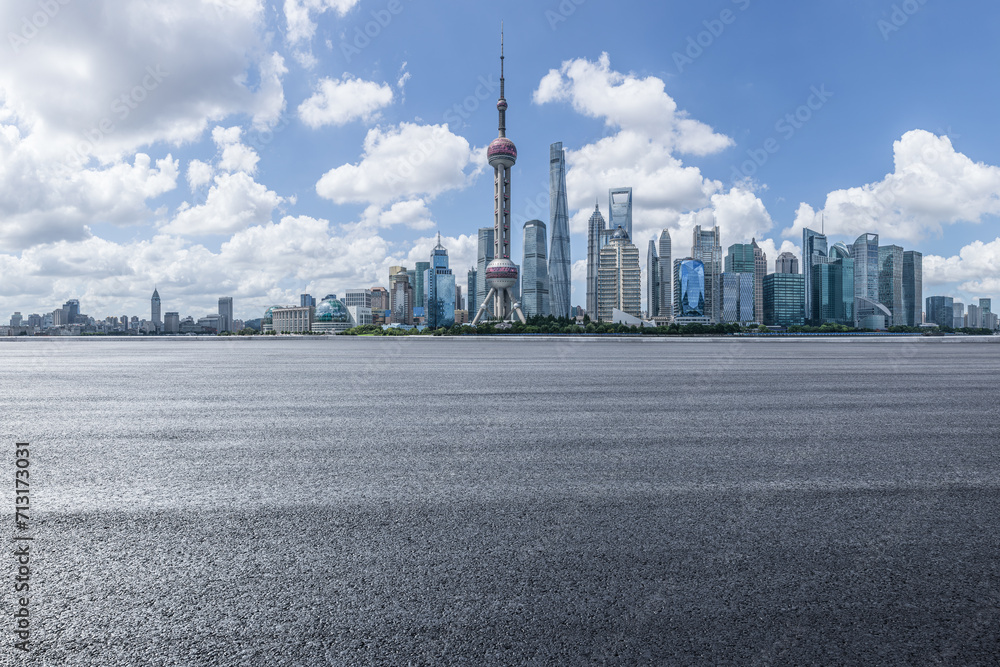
x: 263, y: 149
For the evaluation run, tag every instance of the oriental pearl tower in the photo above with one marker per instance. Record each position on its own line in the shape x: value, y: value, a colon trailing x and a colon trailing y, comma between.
x: 501, y: 273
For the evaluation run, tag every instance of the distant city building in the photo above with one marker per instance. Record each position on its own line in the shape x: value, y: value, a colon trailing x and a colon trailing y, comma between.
x: 484, y: 256
x: 358, y: 297
x: 213, y: 322
x: 706, y: 247
x: 759, y: 271
x: 974, y: 317
x: 986, y: 305
x: 890, y: 283
x: 620, y: 207
x: 559, y: 266
x: 420, y: 284
x: 471, y: 305
x: 598, y: 236
x: 786, y: 263
x: 913, y: 288
x: 535, y: 280
x: 15, y: 319
x: 401, y: 299
x: 941, y: 310
x: 172, y: 323
x: 689, y: 291
x: 154, y: 303
x: 652, y: 281
x: 784, y: 299
x: 869, y: 311
x: 814, y: 250
x: 226, y: 313
x: 958, y: 314
x: 292, y: 320
x: 360, y: 316
x: 619, y: 279
x: 459, y: 298
x: 307, y: 300
x: 665, y: 309
x: 832, y: 285
x: 737, y: 298
x: 331, y: 316
x: 440, y: 289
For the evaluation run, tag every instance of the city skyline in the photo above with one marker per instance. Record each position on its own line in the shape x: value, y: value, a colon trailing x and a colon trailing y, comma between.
x: 126, y: 181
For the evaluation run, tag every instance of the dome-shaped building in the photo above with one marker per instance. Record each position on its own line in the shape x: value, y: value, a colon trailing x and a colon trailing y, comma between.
x: 331, y: 310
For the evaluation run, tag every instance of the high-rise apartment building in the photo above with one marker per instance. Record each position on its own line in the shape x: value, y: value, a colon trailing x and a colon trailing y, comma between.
x: 619, y: 278
x: 786, y: 263
x: 665, y: 309
x: 597, y: 237
x: 225, y: 314
x: 536, y: 297
x: 560, y: 265
x: 706, y: 247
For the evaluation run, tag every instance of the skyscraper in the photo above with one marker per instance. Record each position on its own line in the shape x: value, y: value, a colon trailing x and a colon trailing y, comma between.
x: 472, y: 304
x: 620, y: 207
x: 307, y: 301
x: 501, y: 273
x: 986, y: 305
x: 535, y: 279
x: 784, y: 299
x: 941, y: 310
x: 226, y: 314
x: 890, y: 282
x: 401, y: 298
x: 483, y: 258
x: 652, y: 281
x: 440, y: 289
x: 619, y: 278
x: 560, y: 281
x: 737, y: 297
x: 760, y: 270
x: 869, y: 311
x: 420, y: 271
x: 786, y: 263
x: 154, y: 311
x: 913, y: 288
x: 958, y: 314
x: 597, y: 238
x: 706, y: 247
x: 814, y: 244
x: 689, y: 291
x: 666, y: 295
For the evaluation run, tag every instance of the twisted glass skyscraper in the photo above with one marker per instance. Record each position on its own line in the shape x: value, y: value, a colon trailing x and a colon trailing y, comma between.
x: 559, y: 259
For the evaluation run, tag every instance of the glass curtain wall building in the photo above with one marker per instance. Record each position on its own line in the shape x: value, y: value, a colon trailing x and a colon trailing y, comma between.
x: 559, y: 278
x: 652, y: 281
x: 913, y: 288
x: 535, y: 281
x: 784, y: 299
x: 890, y: 282
x: 597, y: 237
x: 666, y: 295
x: 941, y: 310
x: 620, y: 205
x: 689, y: 291
x: 738, y: 298
x: 619, y: 280
x: 440, y: 289
x: 814, y: 245
x: 706, y: 247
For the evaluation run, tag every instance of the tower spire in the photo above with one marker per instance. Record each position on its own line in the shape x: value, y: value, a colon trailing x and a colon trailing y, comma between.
x: 502, y: 103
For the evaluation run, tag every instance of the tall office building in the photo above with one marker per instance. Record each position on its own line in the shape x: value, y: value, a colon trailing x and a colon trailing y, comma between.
x: 958, y: 314
x: 619, y: 278
x: 307, y: 301
x: 358, y: 298
x: 666, y: 276
x: 786, y: 263
x: 986, y: 305
x: 739, y: 258
x: 869, y: 311
x: 483, y: 258
x: 760, y: 270
x: 706, y: 247
x: 620, y: 207
x: 171, y: 323
x: 393, y: 270
x: 470, y: 291
x: 441, y: 293
x: 597, y: 237
x: 225, y: 314
x: 401, y: 299
x: 814, y: 244
x: 501, y: 273
x: 974, y: 318
x: 652, y: 281
x: 890, y: 282
x: 535, y: 279
x: 380, y: 300
x: 459, y: 297
x: 420, y: 271
x: 689, y: 291
x: 560, y: 265
x: 154, y: 317
x: 784, y: 299
x: 832, y: 285
x: 737, y: 298
x: 941, y: 310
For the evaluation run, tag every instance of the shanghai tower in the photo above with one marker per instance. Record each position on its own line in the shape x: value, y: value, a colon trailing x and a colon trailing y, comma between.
x: 559, y: 257
x: 501, y: 273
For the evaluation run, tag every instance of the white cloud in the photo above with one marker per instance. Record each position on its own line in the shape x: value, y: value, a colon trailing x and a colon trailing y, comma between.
x: 932, y: 185
x: 404, y: 161
x: 413, y: 214
x: 198, y: 174
x: 236, y: 156
x: 234, y: 202
x: 975, y: 270
x: 340, y: 102
x: 298, y: 15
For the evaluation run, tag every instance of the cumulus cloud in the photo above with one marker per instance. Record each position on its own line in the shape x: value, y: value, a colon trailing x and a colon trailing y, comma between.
x: 932, y: 185
x: 403, y: 162
x: 338, y: 102
x: 299, y: 13
x: 976, y: 269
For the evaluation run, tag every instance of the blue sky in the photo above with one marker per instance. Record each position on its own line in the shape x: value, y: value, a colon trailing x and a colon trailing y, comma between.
x: 261, y: 149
